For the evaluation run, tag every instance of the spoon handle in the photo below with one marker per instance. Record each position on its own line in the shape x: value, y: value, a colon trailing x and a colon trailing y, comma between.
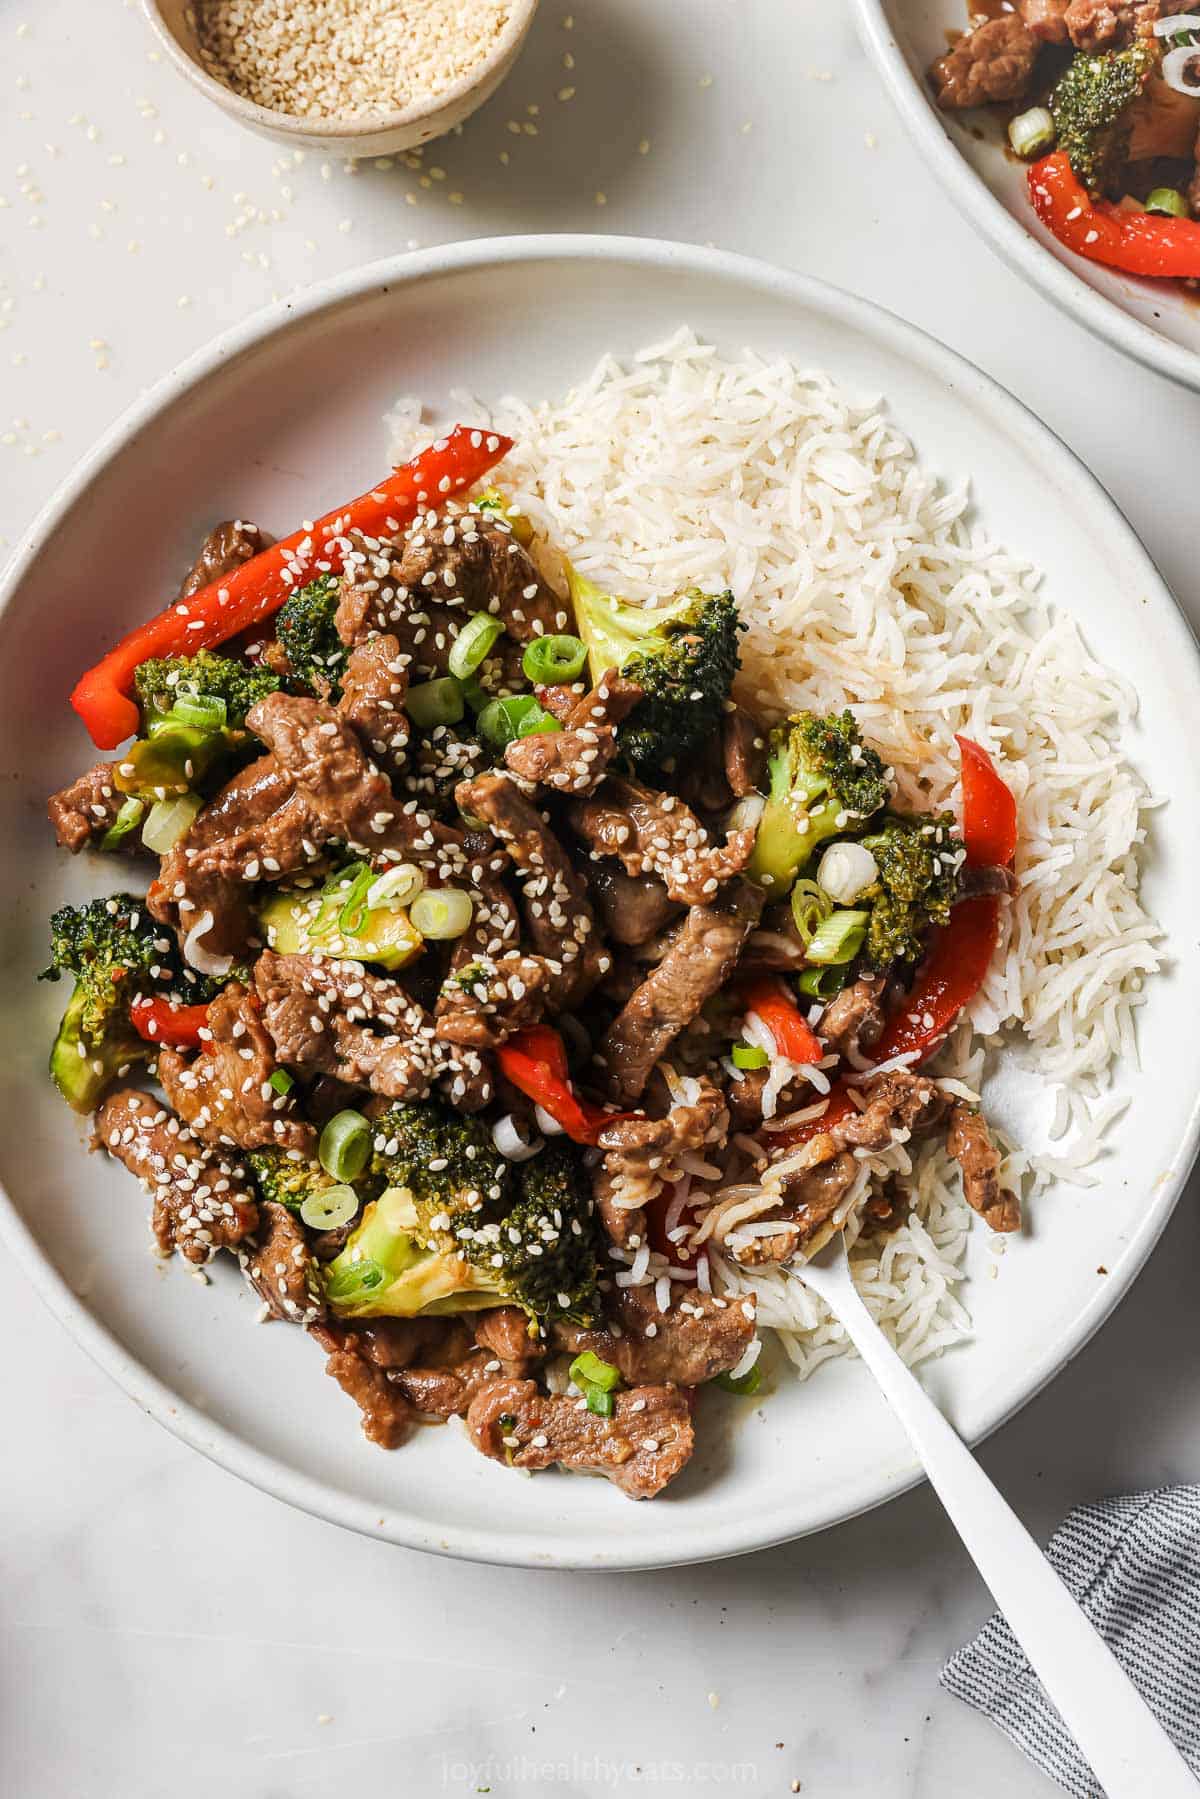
x: 1128, y: 1750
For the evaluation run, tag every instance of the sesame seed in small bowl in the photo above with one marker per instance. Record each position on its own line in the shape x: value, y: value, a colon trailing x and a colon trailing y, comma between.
x: 361, y: 77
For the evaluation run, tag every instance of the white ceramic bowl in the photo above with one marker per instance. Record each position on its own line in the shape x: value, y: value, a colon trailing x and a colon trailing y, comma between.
x: 277, y: 421
x: 1154, y: 321
x: 401, y: 129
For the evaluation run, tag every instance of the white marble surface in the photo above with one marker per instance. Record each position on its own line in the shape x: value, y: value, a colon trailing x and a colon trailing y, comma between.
x: 165, y: 1629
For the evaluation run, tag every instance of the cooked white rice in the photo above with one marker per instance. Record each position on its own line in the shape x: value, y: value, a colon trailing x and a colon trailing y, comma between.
x: 865, y: 583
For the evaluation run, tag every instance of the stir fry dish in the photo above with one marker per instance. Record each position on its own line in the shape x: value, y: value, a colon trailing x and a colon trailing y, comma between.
x: 502, y: 983
x: 1104, y: 97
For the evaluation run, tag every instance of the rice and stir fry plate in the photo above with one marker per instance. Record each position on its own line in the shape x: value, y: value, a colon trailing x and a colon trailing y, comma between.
x: 522, y: 996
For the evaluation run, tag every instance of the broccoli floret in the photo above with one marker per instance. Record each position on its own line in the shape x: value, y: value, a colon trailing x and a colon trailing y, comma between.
x: 306, y: 629
x: 164, y: 680
x: 289, y: 1181
x: 683, y: 655
x: 459, y: 1229
x: 112, y: 949
x: 1088, y: 107
x: 823, y: 781
x: 918, y: 860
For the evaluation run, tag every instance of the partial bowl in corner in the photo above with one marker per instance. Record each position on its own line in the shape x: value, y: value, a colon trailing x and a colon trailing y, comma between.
x: 1154, y: 321
x: 173, y: 21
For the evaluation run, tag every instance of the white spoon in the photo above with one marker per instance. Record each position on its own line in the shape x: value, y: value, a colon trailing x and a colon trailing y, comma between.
x: 1129, y: 1752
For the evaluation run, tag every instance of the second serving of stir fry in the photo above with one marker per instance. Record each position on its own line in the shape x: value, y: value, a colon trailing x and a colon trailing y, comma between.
x: 502, y: 982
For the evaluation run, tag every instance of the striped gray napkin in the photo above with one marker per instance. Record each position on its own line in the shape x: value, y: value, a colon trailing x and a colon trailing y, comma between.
x: 1133, y: 1563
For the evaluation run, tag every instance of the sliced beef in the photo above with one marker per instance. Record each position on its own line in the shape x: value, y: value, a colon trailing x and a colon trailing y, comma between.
x: 1110, y: 24
x: 898, y: 1101
x: 641, y: 1155
x: 697, y: 965
x: 777, y: 947
x: 441, y: 1382
x: 990, y: 880
x: 225, y: 1094
x: 994, y: 62
x: 317, y: 748
x: 437, y: 764
x: 387, y: 1417
x: 634, y: 908
x: 801, y: 1221
x: 83, y: 811
x: 574, y: 759
x: 1045, y: 19
x: 700, y: 1335
x: 505, y: 1334
x: 491, y: 997
x: 373, y: 690
x: 853, y: 1020
x: 281, y: 1267
x: 203, y: 1199
x: 744, y: 745
x: 656, y: 833
x: 558, y: 916
x: 225, y: 548
x: 969, y: 1142
x: 641, y: 1448
x: 261, y: 826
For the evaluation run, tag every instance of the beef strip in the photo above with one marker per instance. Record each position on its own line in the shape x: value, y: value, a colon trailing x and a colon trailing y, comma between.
x: 641, y: 1448
x: 387, y: 1418
x: 994, y: 62
x: 224, y: 1094
x: 318, y: 749
x: 491, y: 997
x: 1000, y: 883
x: 505, y: 1334
x: 203, y: 1200
x: 1046, y: 19
x: 574, y: 759
x: 969, y: 1142
x: 700, y: 1335
x: 898, y: 1101
x: 444, y: 1383
x: 1110, y: 24
x: 634, y: 908
x: 641, y: 1155
x: 373, y: 690
x: 558, y: 916
x: 697, y: 965
x: 225, y: 548
x: 83, y: 811
x: 446, y: 569
x: 259, y: 827
x: 744, y: 746
x: 281, y: 1268
x: 853, y: 1020
x: 656, y: 833
x: 809, y: 1201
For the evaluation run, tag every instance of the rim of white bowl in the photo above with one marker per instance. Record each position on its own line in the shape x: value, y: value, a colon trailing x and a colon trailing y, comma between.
x: 1020, y: 249
x: 338, y: 129
x: 982, y: 393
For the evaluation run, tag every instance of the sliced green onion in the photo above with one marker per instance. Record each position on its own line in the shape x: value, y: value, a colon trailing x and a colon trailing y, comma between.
x: 548, y: 661
x: 355, y: 881
x: 441, y: 913
x: 396, y: 886
x: 473, y: 643
x: 1168, y: 200
x: 588, y: 1369
x: 282, y: 1081
x: 168, y: 820
x: 324, y: 1211
x: 839, y: 938
x: 1032, y: 133
x: 128, y: 818
x: 475, y: 693
x: 503, y: 721
x: 748, y: 1055
x: 437, y: 702
x: 810, y: 908
x: 348, y: 1283
x: 745, y: 1384
x: 345, y: 1146
x: 598, y: 1401
x: 823, y: 983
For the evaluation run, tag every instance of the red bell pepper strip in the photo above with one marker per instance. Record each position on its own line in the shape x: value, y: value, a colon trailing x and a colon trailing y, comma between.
x: 535, y: 1061
x: 1139, y: 243
x: 158, y: 1021
x: 989, y: 809
x: 242, y: 600
x: 794, y: 1037
x: 950, y: 977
